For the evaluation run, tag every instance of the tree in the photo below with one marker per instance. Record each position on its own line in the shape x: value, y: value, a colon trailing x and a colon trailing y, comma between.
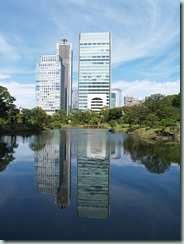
x: 81, y: 116
x: 26, y: 116
x: 94, y: 118
x: 39, y: 117
x: 6, y: 102
x: 59, y: 118
x: 154, y: 104
x: 115, y: 113
x: 104, y: 114
x: 176, y: 101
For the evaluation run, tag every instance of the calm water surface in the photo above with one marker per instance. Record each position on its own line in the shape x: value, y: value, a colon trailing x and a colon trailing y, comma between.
x: 85, y: 184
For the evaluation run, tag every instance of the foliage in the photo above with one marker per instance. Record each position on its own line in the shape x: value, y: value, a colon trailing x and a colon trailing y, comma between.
x: 147, y: 154
x: 115, y: 114
x: 156, y: 108
x: 6, y: 102
x: 176, y: 101
x: 7, y: 151
x: 39, y: 117
x: 157, y: 111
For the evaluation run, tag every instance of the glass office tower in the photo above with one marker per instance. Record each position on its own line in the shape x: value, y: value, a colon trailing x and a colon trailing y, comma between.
x: 50, y: 77
x: 94, y: 81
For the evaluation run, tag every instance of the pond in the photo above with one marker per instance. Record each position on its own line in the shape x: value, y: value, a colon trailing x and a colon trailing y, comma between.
x: 88, y: 184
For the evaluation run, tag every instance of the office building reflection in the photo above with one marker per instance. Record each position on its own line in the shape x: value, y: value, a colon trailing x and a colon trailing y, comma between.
x: 52, y: 166
x: 93, y: 177
x: 115, y: 149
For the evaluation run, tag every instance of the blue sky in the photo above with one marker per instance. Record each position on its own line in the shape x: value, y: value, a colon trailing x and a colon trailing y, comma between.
x: 145, y: 42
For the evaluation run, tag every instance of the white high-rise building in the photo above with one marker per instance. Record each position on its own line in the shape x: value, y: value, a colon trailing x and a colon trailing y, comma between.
x: 64, y: 50
x: 50, y: 76
x: 94, y: 81
x: 115, y: 98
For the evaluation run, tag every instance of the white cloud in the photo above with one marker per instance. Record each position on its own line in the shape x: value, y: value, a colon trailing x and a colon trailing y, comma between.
x: 23, y: 93
x: 141, y: 89
x: 2, y: 77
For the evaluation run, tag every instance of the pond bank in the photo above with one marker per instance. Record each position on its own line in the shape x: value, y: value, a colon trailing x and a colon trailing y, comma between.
x: 18, y: 128
x: 151, y: 135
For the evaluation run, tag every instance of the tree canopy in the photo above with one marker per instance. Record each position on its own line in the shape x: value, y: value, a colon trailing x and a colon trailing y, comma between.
x: 6, y: 102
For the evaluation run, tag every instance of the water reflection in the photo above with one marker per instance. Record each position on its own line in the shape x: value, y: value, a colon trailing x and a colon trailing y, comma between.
x: 7, y: 146
x: 93, y: 162
x: 52, y: 165
x: 93, y: 151
x: 109, y: 187
x: 157, y: 158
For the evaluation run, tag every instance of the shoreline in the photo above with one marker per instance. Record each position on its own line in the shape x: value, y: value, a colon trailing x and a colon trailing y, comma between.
x: 147, y: 134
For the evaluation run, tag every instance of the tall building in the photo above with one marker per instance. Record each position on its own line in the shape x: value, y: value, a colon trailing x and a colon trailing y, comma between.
x: 50, y: 76
x: 64, y: 50
x: 115, y: 98
x: 94, y: 81
x: 75, y: 98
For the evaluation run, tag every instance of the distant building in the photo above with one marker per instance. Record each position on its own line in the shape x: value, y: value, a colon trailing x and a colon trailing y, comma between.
x: 64, y: 50
x: 131, y: 101
x: 75, y: 95
x: 115, y: 98
x: 50, y: 76
x: 94, y: 82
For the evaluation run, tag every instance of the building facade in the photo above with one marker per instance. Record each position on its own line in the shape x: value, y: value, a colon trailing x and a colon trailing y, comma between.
x: 94, y: 81
x: 75, y: 96
x: 64, y: 50
x: 50, y: 76
x: 131, y: 101
x: 115, y: 98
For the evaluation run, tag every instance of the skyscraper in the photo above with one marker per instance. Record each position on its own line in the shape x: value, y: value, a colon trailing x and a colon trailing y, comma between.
x: 94, y: 81
x: 50, y: 75
x: 75, y: 96
x: 64, y: 50
x: 115, y: 98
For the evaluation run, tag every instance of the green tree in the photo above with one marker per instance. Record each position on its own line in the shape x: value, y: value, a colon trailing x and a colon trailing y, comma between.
x: 176, y: 101
x: 39, y: 117
x: 154, y: 104
x: 115, y: 113
x: 104, y: 114
x: 94, y: 119
x: 26, y: 116
x: 59, y: 118
x: 81, y: 117
x: 136, y: 115
x: 6, y: 102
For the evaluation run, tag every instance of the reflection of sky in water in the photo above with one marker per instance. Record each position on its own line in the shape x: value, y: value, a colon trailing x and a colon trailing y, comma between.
x: 23, y: 153
x: 142, y: 204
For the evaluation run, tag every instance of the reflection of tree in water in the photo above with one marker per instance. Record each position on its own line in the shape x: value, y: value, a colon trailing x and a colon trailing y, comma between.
x: 157, y: 158
x: 7, y: 146
x: 40, y: 141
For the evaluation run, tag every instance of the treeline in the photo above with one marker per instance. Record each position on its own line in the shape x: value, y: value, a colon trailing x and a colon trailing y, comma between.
x: 157, y: 111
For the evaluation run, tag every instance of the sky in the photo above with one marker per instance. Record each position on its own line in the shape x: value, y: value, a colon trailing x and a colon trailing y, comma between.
x: 145, y: 42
